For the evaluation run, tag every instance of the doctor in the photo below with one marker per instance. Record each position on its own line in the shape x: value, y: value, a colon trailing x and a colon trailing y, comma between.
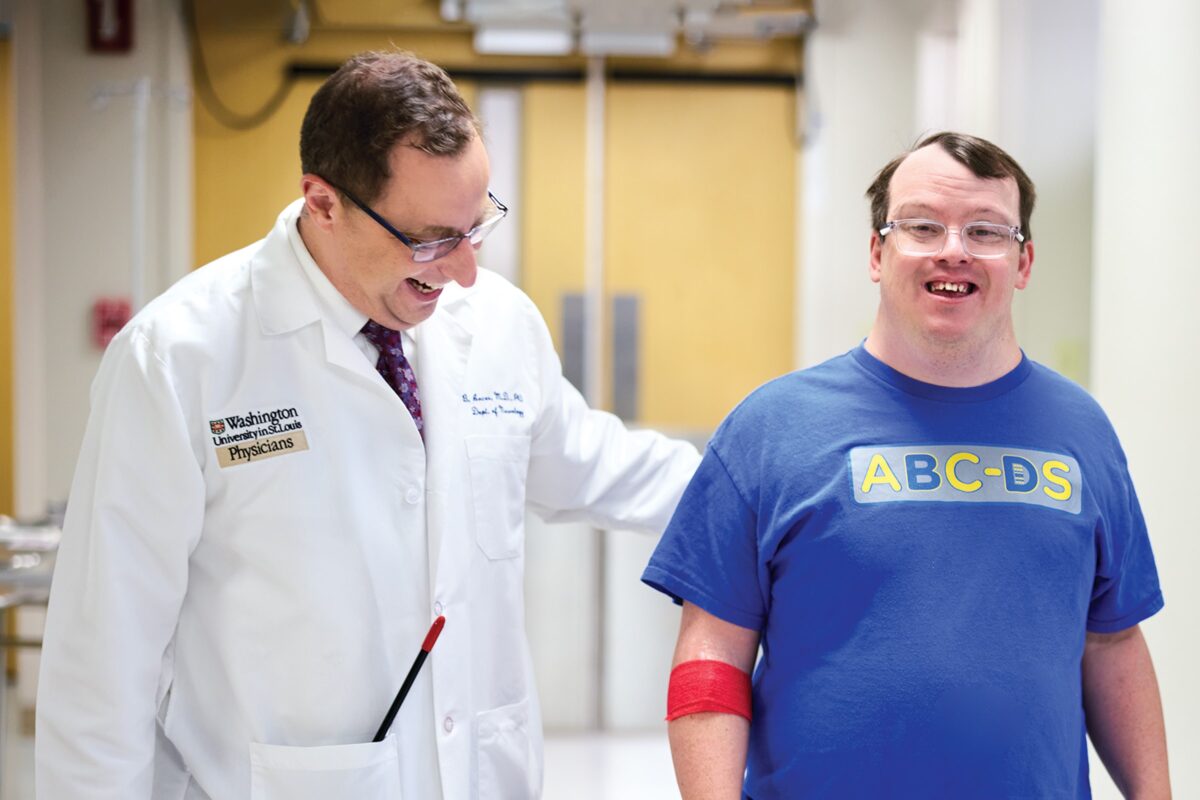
x: 301, y: 454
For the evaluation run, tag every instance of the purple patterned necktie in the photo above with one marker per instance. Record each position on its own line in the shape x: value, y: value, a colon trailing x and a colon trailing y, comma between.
x: 395, y: 369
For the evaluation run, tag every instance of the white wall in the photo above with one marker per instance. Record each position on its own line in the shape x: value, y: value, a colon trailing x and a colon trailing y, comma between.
x: 29, y: 391
x: 860, y: 75
x: 1048, y: 87
x: 74, y: 231
x: 75, y: 137
x: 1146, y: 329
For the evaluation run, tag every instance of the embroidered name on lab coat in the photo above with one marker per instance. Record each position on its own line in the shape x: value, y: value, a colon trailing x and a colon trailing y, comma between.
x: 255, y: 435
x: 495, y: 404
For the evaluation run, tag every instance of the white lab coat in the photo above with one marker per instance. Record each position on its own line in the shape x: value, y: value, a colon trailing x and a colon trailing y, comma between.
x: 237, y: 629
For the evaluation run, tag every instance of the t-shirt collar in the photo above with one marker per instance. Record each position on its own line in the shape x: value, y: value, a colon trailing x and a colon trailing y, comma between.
x: 947, y: 394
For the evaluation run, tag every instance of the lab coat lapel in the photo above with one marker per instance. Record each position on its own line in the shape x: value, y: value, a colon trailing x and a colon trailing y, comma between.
x: 444, y: 349
x: 286, y: 300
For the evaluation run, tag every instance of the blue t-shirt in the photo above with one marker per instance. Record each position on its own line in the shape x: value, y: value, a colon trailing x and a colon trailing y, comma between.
x: 922, y: 563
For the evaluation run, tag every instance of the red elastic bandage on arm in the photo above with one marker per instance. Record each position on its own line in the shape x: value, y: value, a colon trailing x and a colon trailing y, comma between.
x: 698, y: 686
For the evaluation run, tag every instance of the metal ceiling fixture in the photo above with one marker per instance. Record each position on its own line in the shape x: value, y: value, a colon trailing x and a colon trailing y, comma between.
x: 622, y: 27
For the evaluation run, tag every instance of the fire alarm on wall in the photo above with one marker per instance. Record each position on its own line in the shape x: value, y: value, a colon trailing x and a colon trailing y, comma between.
x: 110, y: 26
x: 109, y: 315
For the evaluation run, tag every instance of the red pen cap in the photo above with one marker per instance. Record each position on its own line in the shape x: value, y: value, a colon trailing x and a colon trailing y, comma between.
x: 435, y: 630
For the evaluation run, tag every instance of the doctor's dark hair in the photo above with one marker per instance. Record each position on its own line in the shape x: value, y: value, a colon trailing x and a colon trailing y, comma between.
x: 373, y: 102
x: 984, y: 159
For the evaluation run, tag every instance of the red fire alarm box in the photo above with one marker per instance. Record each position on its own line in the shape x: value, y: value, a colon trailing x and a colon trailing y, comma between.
x: 110, y: 26
x: 109, y: 315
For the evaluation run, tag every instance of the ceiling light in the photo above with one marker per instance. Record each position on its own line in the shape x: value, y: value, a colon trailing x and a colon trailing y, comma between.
x: 494, y: 40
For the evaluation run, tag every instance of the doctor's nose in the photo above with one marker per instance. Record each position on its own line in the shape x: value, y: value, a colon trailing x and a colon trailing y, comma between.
x: 460, y: 265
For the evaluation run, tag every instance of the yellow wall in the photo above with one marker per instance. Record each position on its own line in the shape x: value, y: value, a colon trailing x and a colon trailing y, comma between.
x: 699, y: 229
x: 700, y: 223
x: 554, y: 213
x: 7, y: 429
x: 699, y: 190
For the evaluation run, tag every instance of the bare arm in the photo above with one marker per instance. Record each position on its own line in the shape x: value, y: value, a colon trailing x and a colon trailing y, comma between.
x: 1124, y: 713
x: 709, y: 749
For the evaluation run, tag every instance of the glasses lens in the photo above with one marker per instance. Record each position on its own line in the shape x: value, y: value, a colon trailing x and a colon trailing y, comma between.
x: 430, y: 251
x: 480, y: 231
x: 920, y: 237
x: 986, y: 240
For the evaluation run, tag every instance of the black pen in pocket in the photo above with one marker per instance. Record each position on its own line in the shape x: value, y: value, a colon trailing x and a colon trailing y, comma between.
x: 430, y: 638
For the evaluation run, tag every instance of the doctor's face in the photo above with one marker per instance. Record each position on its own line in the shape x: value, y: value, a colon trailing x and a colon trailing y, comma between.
x: 428, y: 197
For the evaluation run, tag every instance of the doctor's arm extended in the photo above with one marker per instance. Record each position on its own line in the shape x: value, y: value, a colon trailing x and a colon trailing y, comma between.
x: 711, y: 667
x: 135, y: 511
x: 586, y: 465
x: 1124, y: 712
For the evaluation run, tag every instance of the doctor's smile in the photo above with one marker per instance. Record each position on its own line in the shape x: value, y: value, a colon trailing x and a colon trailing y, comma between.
x: 424, y: 288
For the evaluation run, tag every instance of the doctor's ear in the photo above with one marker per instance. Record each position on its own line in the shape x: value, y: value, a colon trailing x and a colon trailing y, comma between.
x: 321, y: 200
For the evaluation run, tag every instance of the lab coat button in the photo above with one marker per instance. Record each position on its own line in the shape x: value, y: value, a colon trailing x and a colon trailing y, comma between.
x: 448, y: 724
x: 437, y: 609
x: 412, y: 496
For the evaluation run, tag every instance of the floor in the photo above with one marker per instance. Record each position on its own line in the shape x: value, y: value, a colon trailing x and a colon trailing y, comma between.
x: 16, y: 760
x: 591, y: 766
x: 608, y: 766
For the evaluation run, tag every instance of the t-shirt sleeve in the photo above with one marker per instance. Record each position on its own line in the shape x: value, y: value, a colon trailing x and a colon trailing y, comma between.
x: 1126, y: 589
x: 709, y: 553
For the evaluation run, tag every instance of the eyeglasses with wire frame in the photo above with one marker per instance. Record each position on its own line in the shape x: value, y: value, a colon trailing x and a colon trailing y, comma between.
x: 423, y: 252
x: 927, y: 237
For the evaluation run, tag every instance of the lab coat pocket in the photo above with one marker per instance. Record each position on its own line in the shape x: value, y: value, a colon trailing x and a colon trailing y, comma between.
x: 366, y: 771
x: 506, y: 769
x: 498, y: 465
